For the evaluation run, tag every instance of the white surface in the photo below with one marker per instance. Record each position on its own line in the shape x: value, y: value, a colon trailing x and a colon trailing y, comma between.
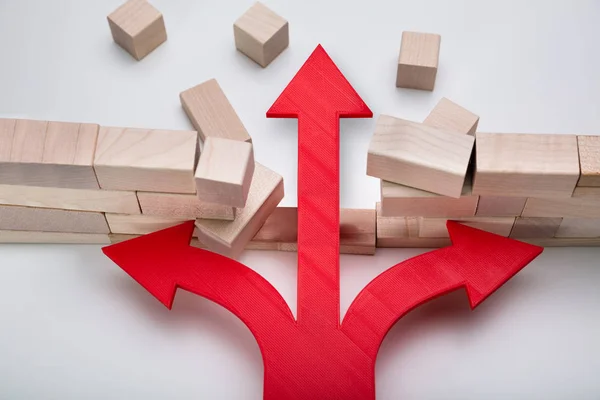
x: 74, y: 326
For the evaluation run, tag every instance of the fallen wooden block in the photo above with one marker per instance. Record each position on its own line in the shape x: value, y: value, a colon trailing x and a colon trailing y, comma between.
x: 230, y: 237
x: 585, y: 203
x: 224, y: 172
x: 419, y: 156
x: 261, y: 34
x: 436, y: 227
x: 211, y: 113
x: 182, y: 206
x: 526, y: 165
x: 418, y: 60
x: 137, y: 27
x: 579, y: 228
x: 535, y: 227
x: 146, y: 160
x: 500, y: 206
x: 589, y: 158
x: 53, y: 237
x: 49, y: 154
x: 17, y: 218
x: 449, y: 115
x: 139, y: 224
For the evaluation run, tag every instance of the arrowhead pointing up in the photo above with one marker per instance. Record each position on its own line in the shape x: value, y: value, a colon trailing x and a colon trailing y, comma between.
x: 319, y: 87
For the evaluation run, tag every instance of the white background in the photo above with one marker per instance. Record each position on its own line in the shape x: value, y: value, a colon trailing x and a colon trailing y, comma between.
x: 74, y: 326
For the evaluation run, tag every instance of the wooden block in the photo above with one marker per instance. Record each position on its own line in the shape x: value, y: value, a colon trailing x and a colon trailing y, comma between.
x: 417, y: 243
x: 211, y: 113
x: 114, y: 201
x: 420, y: 156
x: 579, y: 228
x: 526, y: 165
x: 17, y: 218
x: 261, y: 34
x: 585, y: 203
x: 500, y: 206
x: 230, y: 237
x: 224, y: 172
x: 589, y: 158
x: 140, y: 224
x: 436, y: 227
x: 137, y: 27
x: 449, y: 115
x: 182, y: 206
x: 146, y: 160
x: 535, y: 227
x: 565, y: 242
x: 53, y: 237
x: 49, y: 154
x: 418, y: 61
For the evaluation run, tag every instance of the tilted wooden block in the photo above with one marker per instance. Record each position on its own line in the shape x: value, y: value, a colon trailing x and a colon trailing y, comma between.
x: 17, y: 218
x: 436, y: 227
x: 579, y: 228
x: 449, y: 115
x: 261, y: 34
x: 526, y: 165
x: 230, y: 237
x: 224, y: 172
x: 50, y: 154
x: 182, y: 206
x: 418, y: 61
x: 146, y: 160
x: 139, y: 224
x: 211, y: 113
x: 420, y: 156
x: 535, y: 227
x: 585, y: 203
x: 500, y: 206
x: 53, y: 237
x: 137, y: 27
x: 589, y: 157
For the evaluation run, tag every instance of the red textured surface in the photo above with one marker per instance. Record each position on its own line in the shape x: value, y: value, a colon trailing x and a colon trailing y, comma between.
x: 316, y: 357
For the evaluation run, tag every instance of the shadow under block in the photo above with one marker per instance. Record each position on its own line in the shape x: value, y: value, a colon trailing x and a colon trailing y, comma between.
x: 182, y: 206
x: 137, y: 27
x: 419, y: 156
x: 418, y: 60
x: 449, y: 115
x: 526, y: 165
x: 49, y: 154
x: 261, y: 34
x: 535, y: 227
x: 230, y: 237
x: 579, y: 228
x: 589, y: 158
x: 211, y: 113
x: 585, y: 203
x: 139, y: 224
x: 224, y: 172
x: 436, y: 227
x: 500, y: 206
x: 146, y: 160
x: 53, y: 237
x: 17, y: 218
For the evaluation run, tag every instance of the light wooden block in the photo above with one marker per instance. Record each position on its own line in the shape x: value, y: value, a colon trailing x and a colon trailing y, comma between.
x: 140, y: 224
x: 500, y: 206
x: 50, y: 154
x: 585, y: 203
x: 535, y: 227
x: 211, y: 113
x: 182, y: 206
x: 224, y: 172
x: 526, y: 165
x: 230, y: 238
x: 589, y: 158
x: 418, y: 61
x: 137, y: 27
x: 261, y: 34
x: 17, y: 218
x: 436, y: 227
x: 579, y: 228
x: 449, y: 115
x: 114, y: 201
x: 53, y: 237
x: 419, y: 156
x: 146, y: 160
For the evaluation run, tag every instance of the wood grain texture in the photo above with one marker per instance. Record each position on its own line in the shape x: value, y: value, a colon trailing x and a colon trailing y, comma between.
x: 139, y: 224
x: 436, y: 227
x: 589, y: 159
x: 230, y: 237
x: 419, y: 156
x: 418, y: 60
x: 526, y: 165
x: 137, y: 27
x: 535, y: 227
x: 211, y: 113
x: 146, y: 160
x: 579, y: 228
x: 182, y: 206
x: 449, y: 115
x: 261, y: 34
x: 17, y: 218
x: 53, y: 237
x: 585, y: 203
x: 49, y: 154
x: 224, y: 172
x: 500, y: 206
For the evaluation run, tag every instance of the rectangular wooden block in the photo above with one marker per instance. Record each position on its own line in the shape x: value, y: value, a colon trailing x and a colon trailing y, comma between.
x: 500, y: 206
x: 449, y: 115
x: 53, y: 237
x: 584, y: 203
x: 182, y: 206
x: 146, y: 160
x: 535, y: 227
x: 49, y: 154
x: 211, y: 113
x: 526, y: 165
x: 436, y: 227
x: 417, y: 155
x: 418, y: 60
x: 589, y: 158
x: 139, y: 224
x: 17, y: 218
x: 579, y: 228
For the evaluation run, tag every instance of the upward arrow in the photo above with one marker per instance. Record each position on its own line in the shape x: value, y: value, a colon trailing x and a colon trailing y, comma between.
x: 319, y: 95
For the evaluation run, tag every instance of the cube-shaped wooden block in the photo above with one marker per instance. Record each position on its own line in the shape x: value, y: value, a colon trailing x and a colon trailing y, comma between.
x: 418, y: 61
x: 261, y: 34
x: 451, y: 116
x: 589, y: 157
x: 224, y: 172
x: 137, y: 27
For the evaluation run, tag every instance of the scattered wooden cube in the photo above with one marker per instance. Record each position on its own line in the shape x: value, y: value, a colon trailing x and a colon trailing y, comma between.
x: 535, y: 227
x: 146, y: 160
x: 261, y: 34
x: 17, y: 218
x: 139, y: 224
x: 418, y: 61
x: 211, y: 113
x: 589, y: 157
x: 526, y: 165
x: 137, y: 27
x: 579, y: 228
x: 49, y: 154
x: 53, y: 237
x: 500, y: 206
x: 436, y: 227
x: 449, y: 115
x: 585, y: 203
x: 182, y: 206
x: 224, y: 172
